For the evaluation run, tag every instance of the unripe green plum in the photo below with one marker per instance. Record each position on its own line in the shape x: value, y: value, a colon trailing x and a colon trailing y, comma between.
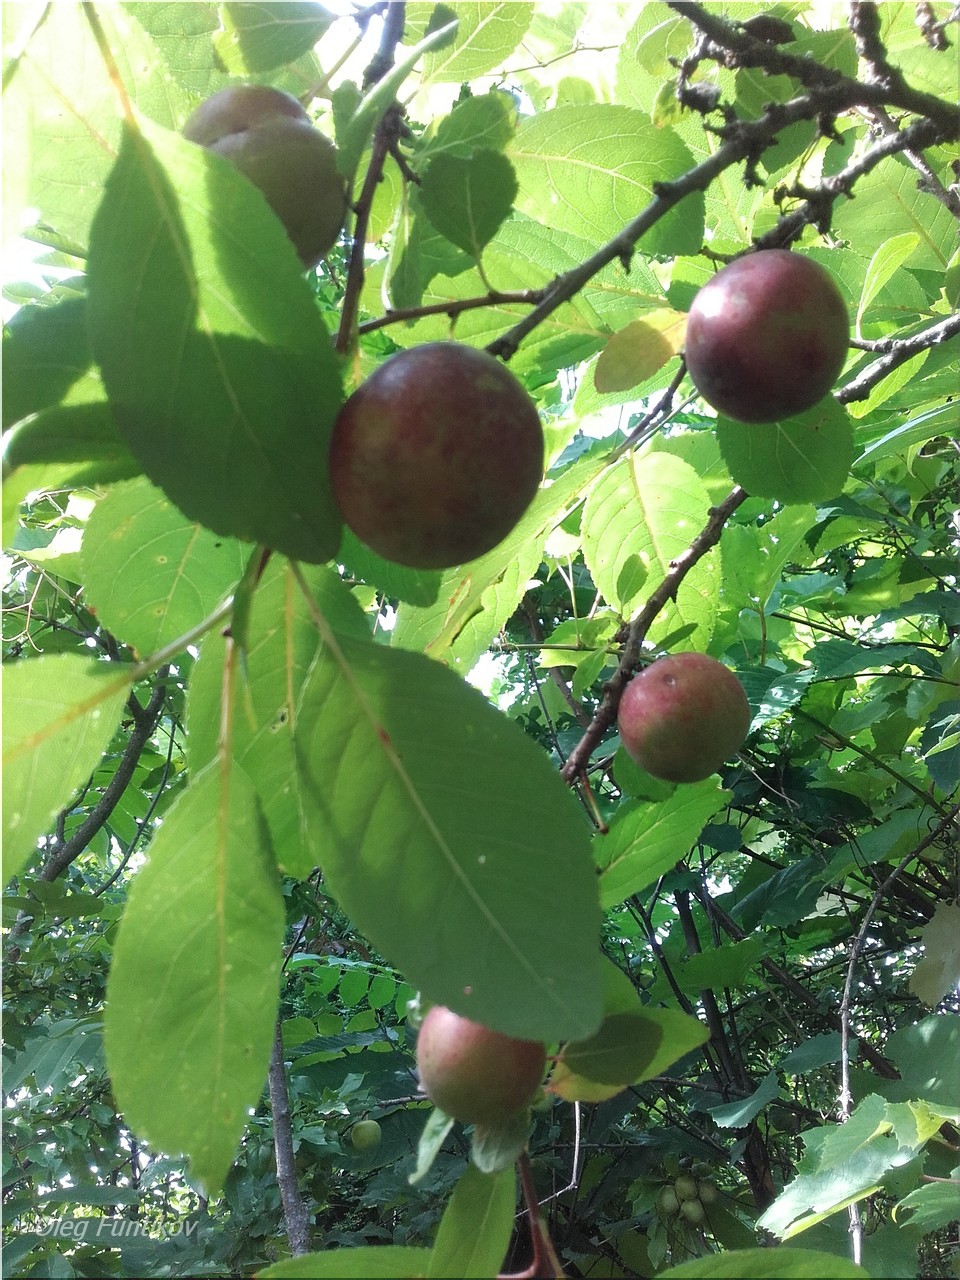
x: 682, y: 716
x: 707, y: 1191
x: 436, y: 456
x: 692, y: 1210
x: 767, y: 337
x: 668, y: 1203
x: 365, y: 1135
x: 685, y: 1188
x: 266, y: 134
x: 474, y: 1074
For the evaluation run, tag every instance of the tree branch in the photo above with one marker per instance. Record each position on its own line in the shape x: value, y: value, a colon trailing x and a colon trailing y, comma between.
x: 735, y: 48
x: 144, y: 722
x: 295, y: 1218
x: 898, y: 350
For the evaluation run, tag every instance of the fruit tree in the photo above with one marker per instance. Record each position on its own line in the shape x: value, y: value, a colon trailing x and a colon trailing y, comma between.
x: 481, y: 645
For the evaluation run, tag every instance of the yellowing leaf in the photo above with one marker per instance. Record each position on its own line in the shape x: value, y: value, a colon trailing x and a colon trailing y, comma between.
x: 639, y: 350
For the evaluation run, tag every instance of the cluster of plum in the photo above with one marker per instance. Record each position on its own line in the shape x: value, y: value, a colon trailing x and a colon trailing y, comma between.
x: 688, y: 1194
x: 437, y: 455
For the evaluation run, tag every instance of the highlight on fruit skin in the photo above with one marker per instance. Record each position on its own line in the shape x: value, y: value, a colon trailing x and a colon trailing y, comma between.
x: 436, y: 456
x: 474, y: 1074
x: 266, y: 134
x: 767, y: 337
x: 365, y: 1135
x: 683, y: 716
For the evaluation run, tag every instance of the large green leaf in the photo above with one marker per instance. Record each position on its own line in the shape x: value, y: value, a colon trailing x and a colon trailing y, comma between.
x: 367, y: 1262
x: 767, y: 1264
x: 282, y: 643
x: 150, y: 573
x: 216, y: 361
x: 193, y: 987
x: 259, y: 37
x: 487, y: 32
x: 802, y: 459
x: 61, y: 124
x: 476, y: 1226
x: 59, y: 714
x: 646, y: 839
x: 446, y: 835
x: 591, y: 169
x: 638, y: 516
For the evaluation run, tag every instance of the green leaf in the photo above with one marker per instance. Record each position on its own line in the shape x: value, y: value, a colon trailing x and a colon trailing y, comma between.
x: 842, y: 1164
x: 617, y: 1053
x: 468, y: 199
x: 45, y: 353
x: 724, y: 966
x: 488, y: 120
x: 637, y: 1041
x: 447, y: 836
x: 476, y: 1226
x: 61, y: 123
x: 366, y: 1262
x: 475, y: 601
x: 646, y: 840
x: 766, y: 1264
x: 917, y: 430
x: 354, y: 137
x: 650, y: 505
x: 82, y: 437
x: 926, y: 1055
x: 258, y: 37
x: 884, y: 264
x: 151, y: 574
x: 890, y: 204
x: 487, y: 33
x: 802, y: 459
x: 737, y: 1115
x: 194, y: 983
x: 929, y: 1207
x: 59, y: 714
x: 591, y: 170
x: 216, y: 361
x: 282, y: 643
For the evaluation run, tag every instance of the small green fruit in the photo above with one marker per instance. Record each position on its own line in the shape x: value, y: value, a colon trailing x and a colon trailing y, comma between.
x: 707, y: 1191
x: 365, y: 1135
x: 685, y: 1188
x: 667, y: 1202
x: 692, y: 1210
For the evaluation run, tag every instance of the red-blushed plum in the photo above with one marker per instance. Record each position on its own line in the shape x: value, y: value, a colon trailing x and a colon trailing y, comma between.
x: 436, y: 456
x: 682, y: 716
x: 767, y: 337
x: 266, y: 134
x: 473, y: 1074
